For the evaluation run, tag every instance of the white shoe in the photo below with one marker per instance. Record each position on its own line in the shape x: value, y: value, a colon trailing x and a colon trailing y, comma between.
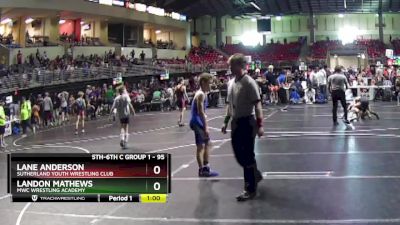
x: 83, y: 130
x: 24, y: 135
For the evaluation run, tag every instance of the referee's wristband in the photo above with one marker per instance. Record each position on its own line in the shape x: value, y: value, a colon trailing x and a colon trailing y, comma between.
x: 226, y: 120
x: 259, y: 122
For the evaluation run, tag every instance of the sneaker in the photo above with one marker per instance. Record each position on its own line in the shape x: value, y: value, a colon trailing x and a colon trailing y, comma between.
x: 245, y: 195
x: 335, y: 123
x: 200, y: 172
x: 76, y: 132
x: 121, y: 143
x: 207, y: 172
x: 83, y: 130
x: 346, y: 122
x: 24, y: 136
x: 259, y: 177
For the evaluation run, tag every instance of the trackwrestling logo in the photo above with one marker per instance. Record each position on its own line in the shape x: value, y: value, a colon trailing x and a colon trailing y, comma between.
x: 34, y: 198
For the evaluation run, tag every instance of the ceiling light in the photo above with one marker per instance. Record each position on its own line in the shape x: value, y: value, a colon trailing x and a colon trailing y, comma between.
x: 29, y: 20
x: 255, y: 6
x: 61, y: 22
x: 279, y: 18
x: 341, y: 15
x: 6, y: 20
x: 158, y: 31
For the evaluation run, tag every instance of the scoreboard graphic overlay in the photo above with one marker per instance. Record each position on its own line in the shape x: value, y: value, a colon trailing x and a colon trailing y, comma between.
x: 104, y: 177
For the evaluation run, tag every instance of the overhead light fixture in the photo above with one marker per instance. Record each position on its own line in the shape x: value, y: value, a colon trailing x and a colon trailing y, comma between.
x: 158, y: 31
x: 253, y: 20
x: 29, y: 20
x: 341, y: 15
x: 6, y: 20
x: 279, y: 18
x: 255, y: 6
x: 345, y: 4
x: 61, y: 22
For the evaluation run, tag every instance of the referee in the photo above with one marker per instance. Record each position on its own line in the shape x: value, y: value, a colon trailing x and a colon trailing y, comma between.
x: 243, y: 102
x: 337, y: 85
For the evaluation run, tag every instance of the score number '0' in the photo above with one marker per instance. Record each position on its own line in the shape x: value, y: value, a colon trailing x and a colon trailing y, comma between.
x: 156, y: 185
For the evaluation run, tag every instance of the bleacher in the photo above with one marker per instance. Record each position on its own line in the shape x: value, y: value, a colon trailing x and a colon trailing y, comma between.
x: 396, y: 46
x: 269, y: 53
x: 375, y: 48
x: 320, y: 48
x: 201, y: 55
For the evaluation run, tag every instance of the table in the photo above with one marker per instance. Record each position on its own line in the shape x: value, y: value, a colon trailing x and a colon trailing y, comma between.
x: 371, y: 92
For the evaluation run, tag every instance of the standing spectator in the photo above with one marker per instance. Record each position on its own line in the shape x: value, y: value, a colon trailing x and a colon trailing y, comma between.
x: 19, y: 57
x: 397, y: 89
x: 133, y: 54
x: 272, y: 85
x: 26, y: 111
x: 63, y: 98
x: 142, y: 55
x: 321, y: 81
x: 80, y: 108
x: 47, y: 109
x: 2, y: 124
x: 109, y: 97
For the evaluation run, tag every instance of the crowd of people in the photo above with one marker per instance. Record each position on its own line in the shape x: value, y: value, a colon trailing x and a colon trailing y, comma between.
x: 310, y: 86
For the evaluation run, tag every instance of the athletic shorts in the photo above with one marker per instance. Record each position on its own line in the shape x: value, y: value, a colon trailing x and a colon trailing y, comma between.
x: 199, y: 134
x: 2, y: 130
x: 48, y: 115
x: 124, y: 120
x: 181, y: 104
x: 81, y: 113
x: 273, y: 88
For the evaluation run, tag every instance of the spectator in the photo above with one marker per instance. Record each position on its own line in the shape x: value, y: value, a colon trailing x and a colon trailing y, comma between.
x: 19, y: 57
x: 47, y: 109
x: 142, y: 56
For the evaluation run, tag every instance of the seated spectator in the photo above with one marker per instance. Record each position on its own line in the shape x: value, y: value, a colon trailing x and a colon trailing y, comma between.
x: 309, y: 95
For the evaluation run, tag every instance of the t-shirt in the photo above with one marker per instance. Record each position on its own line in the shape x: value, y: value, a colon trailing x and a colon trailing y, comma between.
x: 338, y: 82
x: 271, y: 78
x: 47, y: 104
x: 242, y: 96
x: 109, y: 94
x: 157, y: 96
x: 121, y: 103
x: 63, y: 99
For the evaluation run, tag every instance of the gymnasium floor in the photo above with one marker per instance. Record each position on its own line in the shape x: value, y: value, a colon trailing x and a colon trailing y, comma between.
x: 314, y: 173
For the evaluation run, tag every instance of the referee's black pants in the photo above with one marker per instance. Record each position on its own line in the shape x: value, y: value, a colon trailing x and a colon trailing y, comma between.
x: 243, y: 138
x: 338, y: 95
